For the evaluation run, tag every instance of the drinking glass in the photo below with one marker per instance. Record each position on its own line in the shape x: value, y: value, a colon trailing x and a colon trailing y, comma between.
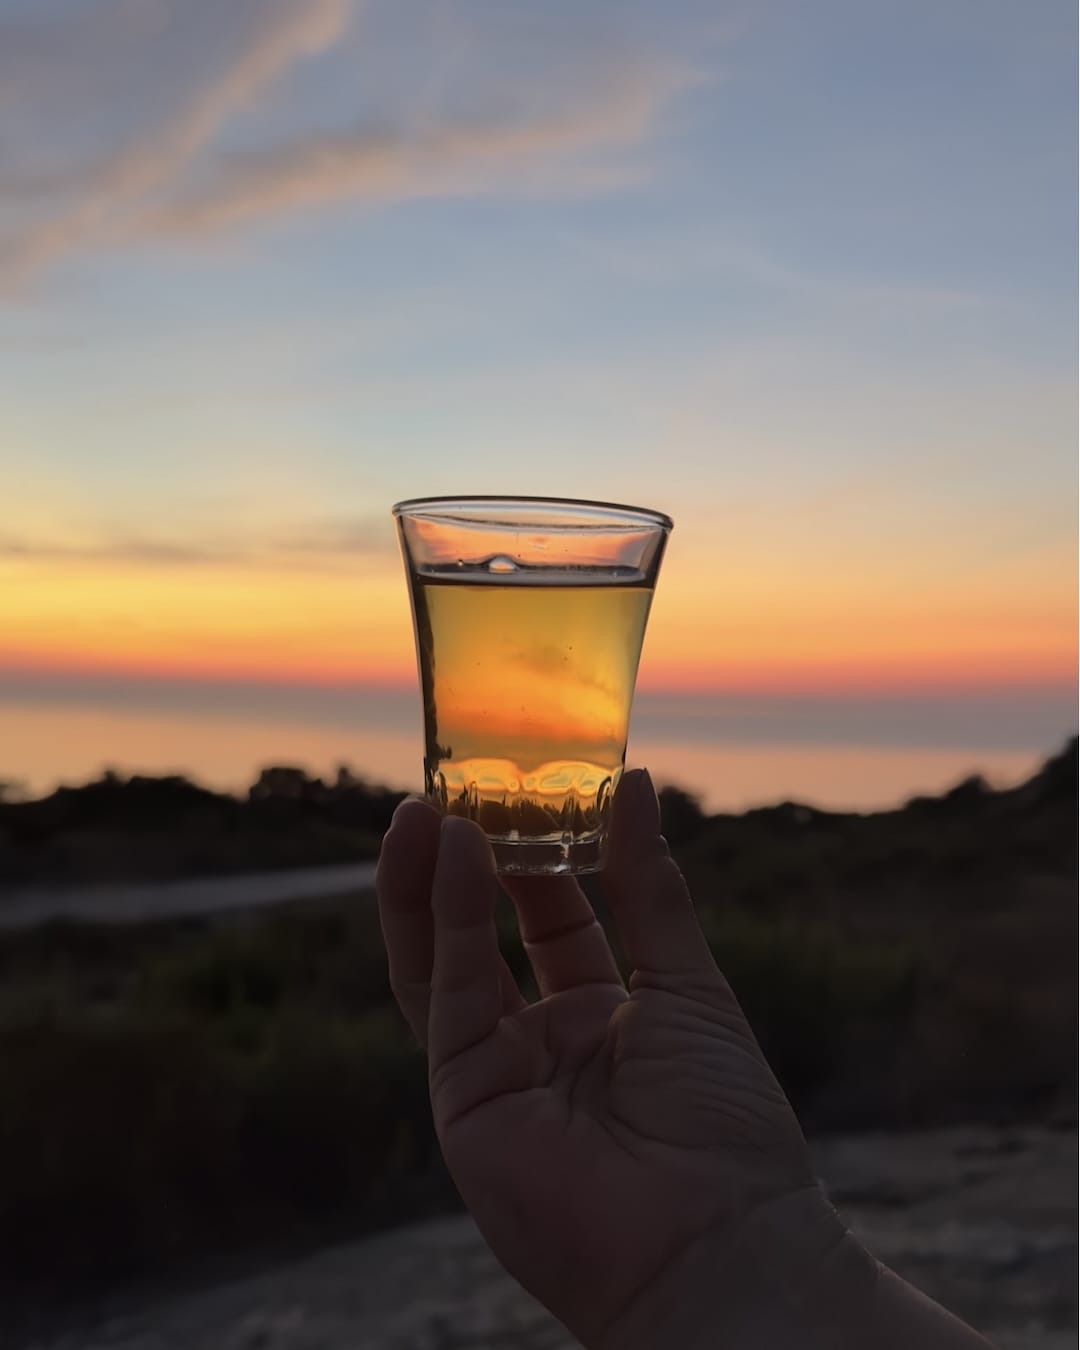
x: 529, y: 616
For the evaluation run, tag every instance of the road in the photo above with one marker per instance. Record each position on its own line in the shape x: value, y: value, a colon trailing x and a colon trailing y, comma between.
x: 32, y: 905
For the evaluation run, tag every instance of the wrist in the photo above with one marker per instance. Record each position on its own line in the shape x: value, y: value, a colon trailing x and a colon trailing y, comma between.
x: 792, y: 1275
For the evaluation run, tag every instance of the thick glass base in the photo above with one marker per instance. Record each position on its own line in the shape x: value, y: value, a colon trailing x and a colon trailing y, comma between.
x: 549, y: 858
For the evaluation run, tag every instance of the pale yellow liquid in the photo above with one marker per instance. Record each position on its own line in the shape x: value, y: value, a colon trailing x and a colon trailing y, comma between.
x: 527, y: 689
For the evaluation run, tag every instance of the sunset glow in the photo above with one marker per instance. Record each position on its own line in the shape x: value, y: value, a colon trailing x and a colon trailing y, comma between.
x: 335, y: 255
x: 352, y: 624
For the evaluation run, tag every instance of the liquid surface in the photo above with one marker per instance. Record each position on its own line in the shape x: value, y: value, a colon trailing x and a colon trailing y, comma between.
x: 527, y: 689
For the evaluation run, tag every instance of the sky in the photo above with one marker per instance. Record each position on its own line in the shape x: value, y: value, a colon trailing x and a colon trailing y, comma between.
x: 801, y: 276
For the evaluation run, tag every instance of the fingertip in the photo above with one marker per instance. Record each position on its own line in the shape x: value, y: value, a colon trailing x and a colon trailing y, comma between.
x: 463, y: 841
x: 413, y: 818
x: 411, y: 840
x: 646, y: 889
x: 460, y: 826
x: 637, y: 807
x: 628, y: 783
x: 453, y: 827
x: 648, y: 802
x: 625, y: 795
x: 413, y: 806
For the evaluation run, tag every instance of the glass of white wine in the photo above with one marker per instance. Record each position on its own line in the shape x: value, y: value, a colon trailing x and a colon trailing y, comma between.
x: 529, y: 616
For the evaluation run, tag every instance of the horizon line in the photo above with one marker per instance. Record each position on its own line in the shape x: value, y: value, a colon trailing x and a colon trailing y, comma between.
x: 33, y: 679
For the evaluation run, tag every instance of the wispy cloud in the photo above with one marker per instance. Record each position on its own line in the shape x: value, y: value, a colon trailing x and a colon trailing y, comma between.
x: 313, y: 545
x: 706, y: 256
x: 265, y: 40
x: 132, y: 549
x: 217, y: 142
x: 425, y: 160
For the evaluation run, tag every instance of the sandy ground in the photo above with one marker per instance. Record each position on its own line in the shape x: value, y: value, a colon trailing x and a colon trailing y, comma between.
x: 983, y: 1219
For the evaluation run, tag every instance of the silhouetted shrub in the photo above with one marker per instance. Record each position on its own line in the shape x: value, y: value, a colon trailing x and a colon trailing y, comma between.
x: 811, y: 991
x: 176, y: 1088
x: 681, y: 816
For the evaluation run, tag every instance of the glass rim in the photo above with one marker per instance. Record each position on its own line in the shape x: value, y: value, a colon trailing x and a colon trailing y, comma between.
x: 617, y: 514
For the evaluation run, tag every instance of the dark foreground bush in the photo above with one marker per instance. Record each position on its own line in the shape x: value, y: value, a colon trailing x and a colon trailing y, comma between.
x: 187, y: 1088
x: 125, y: 1145
x: 175, y: 1089
x: 821, y: 1003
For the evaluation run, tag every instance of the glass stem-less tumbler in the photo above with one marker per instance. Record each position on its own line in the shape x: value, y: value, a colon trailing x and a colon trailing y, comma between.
x: 529, y: 615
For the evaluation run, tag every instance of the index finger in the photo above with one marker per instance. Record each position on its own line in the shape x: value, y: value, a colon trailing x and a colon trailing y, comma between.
x: 403, y: 882
x: 467, y: 977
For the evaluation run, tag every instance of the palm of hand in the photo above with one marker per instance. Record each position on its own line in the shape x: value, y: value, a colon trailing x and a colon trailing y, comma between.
x: 604, y: 1116
x: 597, y: 1134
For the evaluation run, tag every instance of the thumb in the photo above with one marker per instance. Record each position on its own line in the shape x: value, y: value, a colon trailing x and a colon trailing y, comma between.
x: 646, y: 891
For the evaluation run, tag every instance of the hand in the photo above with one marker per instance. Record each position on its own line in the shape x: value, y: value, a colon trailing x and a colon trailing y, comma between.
x: 626, y: 1151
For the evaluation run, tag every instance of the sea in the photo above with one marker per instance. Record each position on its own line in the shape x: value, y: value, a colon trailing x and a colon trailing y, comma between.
x: 732, y: 751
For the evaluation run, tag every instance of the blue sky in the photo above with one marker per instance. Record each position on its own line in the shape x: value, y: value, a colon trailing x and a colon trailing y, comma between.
x: 863, y: 213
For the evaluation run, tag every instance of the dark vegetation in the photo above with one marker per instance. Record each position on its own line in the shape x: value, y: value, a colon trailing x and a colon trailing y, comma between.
x: 176, y: 1089
x: 133, y: 829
